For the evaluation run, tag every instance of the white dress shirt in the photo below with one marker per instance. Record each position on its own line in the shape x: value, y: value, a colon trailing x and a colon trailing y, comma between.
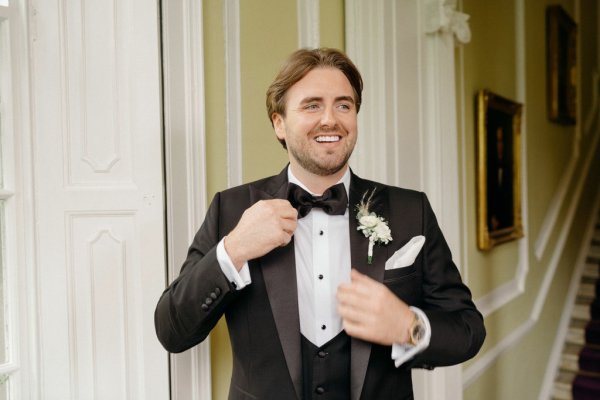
x: 322, y: 249
x: 322, y: 254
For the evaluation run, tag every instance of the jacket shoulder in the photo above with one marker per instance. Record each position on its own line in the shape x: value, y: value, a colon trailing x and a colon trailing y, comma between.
x: 393, y: 192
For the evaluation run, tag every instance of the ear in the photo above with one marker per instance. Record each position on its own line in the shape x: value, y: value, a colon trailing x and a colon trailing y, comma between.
x: 279, y: 125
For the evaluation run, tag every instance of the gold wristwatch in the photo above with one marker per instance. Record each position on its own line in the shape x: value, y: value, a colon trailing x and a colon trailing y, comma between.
x: 416, y: 331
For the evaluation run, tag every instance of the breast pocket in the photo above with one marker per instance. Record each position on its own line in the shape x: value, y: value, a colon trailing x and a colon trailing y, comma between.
x: 405, y: 283
x: 399, y: 274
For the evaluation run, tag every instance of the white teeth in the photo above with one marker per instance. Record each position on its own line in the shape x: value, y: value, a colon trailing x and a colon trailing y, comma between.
x: 327, y: 139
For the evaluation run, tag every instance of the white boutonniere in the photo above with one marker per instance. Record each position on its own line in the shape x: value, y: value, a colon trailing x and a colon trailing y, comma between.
x: 371, y: 225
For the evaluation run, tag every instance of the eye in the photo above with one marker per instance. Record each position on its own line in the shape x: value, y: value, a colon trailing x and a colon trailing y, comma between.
x: 345, y: 107
x: 311, y: 106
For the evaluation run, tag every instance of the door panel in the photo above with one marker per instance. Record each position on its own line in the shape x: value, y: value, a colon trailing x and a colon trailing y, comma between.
x: 99, y: 206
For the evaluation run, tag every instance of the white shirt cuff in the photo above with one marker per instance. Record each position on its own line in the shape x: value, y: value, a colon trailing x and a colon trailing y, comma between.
x: 240, y: 279
x: 402, y: 352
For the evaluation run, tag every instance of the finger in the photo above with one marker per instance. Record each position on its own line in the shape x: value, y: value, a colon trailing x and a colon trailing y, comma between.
x: 288, y: 226
x: 360, y: 290
x: 350, y: 313
x: 346, y: 294
x: 287, y: 209
x: 344, y: 288
x: 281, y: 204
x: 289, y: 213
x: 355, y: 330
x: 355, y: 274
x: 353, y: 292
x: 351, y: 317
x: 358, y: 277
x: 285, y: 239
x: 352, y: 303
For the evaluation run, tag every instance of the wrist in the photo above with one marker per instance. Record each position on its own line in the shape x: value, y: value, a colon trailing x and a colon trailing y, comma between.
x: 232, y: 251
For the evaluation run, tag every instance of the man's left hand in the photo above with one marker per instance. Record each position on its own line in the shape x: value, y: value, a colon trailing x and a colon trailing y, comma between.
x: 371, y: 312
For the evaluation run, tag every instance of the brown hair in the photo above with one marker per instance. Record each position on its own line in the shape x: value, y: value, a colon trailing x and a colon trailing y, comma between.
x: 300, y: 63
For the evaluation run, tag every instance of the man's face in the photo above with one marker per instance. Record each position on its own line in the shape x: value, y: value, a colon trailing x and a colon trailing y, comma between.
x: 319, y: 127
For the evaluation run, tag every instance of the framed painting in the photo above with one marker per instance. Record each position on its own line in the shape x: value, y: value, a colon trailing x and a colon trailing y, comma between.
x: 498, y: 161
x: 561, y: 66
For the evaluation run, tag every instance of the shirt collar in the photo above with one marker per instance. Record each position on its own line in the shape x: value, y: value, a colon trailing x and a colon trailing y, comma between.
x: 345, y: 179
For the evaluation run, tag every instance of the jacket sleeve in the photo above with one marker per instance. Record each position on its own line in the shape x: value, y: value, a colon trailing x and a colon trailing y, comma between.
x: 194, y: 302
x: 457, y: 329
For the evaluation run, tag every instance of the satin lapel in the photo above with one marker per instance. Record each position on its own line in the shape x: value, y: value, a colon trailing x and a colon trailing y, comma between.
x: 279, y: 272
x: 359, y: 244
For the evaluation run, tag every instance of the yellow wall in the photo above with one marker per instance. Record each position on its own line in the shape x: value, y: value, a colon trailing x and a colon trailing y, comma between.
x: 268, y: 34
x: 489, y: 61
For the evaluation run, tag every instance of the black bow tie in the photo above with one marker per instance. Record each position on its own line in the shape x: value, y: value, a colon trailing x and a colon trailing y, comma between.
x: 334, y: 201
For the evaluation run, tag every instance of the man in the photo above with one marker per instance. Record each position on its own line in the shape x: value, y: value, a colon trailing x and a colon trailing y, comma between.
x: 321, y: 304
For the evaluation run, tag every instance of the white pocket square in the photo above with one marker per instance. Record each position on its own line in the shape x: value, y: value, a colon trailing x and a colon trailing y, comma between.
x: 407, y: 254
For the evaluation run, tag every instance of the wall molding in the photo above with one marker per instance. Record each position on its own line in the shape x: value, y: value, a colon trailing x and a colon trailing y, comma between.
x: 193, y: 61
x: 24, y: 320
x: 233, y: 91
x: 438, y: 137
x: 31, y: 384
x: 196, y: 165
x: 308, y: 23
x: 389, y: 41
x: 554, y: 208
x: 510, y: 290
x: 364, y: 21
x: 185, y: 167
x: 483, y: 362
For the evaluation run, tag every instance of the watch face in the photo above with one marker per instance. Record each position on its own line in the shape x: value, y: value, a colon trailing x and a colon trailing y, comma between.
x: 417, y: 332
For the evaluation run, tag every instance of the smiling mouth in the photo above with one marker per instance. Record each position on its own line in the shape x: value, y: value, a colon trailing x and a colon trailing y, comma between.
x: 328, y: 139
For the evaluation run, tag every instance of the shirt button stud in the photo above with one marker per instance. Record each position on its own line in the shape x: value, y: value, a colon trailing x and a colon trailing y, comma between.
x: 323, y: 327
x: 321, y: 233
x: 320, y: 276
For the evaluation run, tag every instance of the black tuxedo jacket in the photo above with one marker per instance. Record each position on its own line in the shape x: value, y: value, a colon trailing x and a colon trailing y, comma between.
x: 263, y: 317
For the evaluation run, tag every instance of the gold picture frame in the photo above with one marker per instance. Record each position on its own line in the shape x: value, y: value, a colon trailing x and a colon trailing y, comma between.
x: 499, y: 216
x: 561, y: 64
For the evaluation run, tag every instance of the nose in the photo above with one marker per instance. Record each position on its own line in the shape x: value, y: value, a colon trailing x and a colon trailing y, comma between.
x: 328, y: 117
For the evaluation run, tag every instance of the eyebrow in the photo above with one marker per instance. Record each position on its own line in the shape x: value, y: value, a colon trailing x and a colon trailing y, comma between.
x: 316, y: 98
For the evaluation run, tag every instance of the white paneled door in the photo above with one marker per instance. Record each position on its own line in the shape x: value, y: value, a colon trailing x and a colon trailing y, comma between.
x: 98, y: 198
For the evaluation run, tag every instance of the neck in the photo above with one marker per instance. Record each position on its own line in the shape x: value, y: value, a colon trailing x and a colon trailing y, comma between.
x: 316, y: 183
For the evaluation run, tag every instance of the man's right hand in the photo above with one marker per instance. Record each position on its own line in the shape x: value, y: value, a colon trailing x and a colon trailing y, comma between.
x: 264, y: 226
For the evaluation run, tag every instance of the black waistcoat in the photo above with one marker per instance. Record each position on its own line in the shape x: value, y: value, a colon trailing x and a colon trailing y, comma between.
x: 326, y: 369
